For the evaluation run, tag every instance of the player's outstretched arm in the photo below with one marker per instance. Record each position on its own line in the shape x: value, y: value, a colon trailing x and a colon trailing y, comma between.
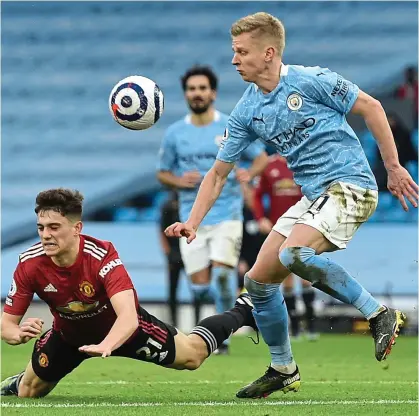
x: 208, y: 193
x: 400, y: 183
x: 125, y: 325
x: 14, y: 333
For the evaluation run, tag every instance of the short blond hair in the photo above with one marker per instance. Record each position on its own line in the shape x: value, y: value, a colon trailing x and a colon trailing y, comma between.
x: 264, y: 24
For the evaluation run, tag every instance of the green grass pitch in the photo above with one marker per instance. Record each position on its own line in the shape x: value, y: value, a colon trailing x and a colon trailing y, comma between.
x: 340, y: 376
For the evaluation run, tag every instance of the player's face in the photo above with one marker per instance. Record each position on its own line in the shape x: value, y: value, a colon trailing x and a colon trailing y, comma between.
x: 58, y: 234
x: 249, y: 56
x: 199, y: 94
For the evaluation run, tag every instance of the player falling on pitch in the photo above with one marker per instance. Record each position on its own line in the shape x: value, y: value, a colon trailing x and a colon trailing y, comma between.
x: 300, y: 111
x: 94, y: 304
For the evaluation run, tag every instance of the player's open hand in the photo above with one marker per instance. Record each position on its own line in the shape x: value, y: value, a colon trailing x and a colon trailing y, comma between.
x: 242, y: 175
x: 96, y: 350
x: 402, y: 186
x: 30, y: 328
x: 181, y: 229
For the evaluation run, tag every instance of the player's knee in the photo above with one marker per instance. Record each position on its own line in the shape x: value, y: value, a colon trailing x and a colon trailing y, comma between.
x: 34, y: 389
x: 193, y: 364
x: 195, y: 359
x: 295, y: 258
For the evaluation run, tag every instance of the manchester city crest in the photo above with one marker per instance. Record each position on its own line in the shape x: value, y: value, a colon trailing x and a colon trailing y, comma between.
x: 294, y: 101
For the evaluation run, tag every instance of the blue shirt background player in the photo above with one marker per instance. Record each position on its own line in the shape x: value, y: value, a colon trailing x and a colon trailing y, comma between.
x: 187, y: 147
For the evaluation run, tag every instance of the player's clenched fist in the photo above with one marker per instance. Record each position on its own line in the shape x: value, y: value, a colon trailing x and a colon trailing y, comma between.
x: 181, y: 229
x: 30, y: 328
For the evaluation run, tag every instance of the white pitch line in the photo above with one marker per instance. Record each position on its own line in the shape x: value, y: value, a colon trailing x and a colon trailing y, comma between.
x: 124, y: 382
x: 213, y: 404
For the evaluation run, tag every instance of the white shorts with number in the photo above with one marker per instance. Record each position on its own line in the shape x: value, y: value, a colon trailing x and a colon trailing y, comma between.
x: 337, y: 214
x: 219, y: 242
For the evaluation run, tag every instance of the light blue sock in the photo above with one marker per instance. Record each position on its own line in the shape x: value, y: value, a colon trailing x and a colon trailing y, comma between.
x: 329, y: 277
x: 271, y: 317
x: 200, y: 292
x: 224, y: 287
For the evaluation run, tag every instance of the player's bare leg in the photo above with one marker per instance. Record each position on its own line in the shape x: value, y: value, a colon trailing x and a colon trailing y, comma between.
x: 300, y: 254
x: 193, y: 349
x: 26, y: 385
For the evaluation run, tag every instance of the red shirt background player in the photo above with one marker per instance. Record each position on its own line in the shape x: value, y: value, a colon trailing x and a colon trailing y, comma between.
x: 276, y: 181
x: 77, y: 294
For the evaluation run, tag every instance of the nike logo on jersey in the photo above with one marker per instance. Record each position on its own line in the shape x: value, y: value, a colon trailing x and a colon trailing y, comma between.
x: 258, y: 119
x: 50, y: 288
x: 320, y: 73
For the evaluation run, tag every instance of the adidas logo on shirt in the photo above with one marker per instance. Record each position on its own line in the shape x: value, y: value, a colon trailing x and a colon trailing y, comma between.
x: 50, y: 288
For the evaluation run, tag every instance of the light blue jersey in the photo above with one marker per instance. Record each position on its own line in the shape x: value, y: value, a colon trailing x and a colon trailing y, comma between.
x: 303, y: 118
x: 186, y: 147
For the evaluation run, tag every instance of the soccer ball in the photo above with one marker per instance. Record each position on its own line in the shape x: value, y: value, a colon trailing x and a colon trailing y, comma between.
x: 136, y: 102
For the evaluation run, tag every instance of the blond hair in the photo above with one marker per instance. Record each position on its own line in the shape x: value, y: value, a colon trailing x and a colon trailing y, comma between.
x: 264, y: 24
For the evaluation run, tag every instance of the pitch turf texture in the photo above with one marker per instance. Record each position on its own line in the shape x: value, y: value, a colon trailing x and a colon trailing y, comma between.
x: 340, y: 376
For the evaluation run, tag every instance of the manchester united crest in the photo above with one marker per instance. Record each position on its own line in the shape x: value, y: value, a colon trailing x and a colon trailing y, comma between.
x: 43, y: 360
x: 294, y: 102
x: 87, y: 288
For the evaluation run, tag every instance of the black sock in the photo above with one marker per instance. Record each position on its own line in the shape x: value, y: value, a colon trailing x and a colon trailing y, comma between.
x: 308, y: 298
x: 217, y: 328
x: 174, y: 273
x: 14, y: 386
x: 292, y: 312
x: 197, y: 309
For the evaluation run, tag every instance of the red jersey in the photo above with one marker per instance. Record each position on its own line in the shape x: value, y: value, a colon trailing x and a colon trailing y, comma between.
x: 277, y: 181
x: 78, y: 296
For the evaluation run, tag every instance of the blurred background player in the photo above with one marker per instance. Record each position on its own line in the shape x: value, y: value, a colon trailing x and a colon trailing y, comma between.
x: 170, y: 247
x: 252, y: 237
x: 277, y: 183
x: 188, y: 150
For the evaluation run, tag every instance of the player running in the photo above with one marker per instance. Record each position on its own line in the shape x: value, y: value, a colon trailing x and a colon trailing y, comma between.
x: 301, y: 112
x: 94, y: 304
x: 189, y: 149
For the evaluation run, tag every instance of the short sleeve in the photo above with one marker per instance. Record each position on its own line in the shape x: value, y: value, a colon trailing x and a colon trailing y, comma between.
x: 237, y: 137
x: 20, y: 294
x: 333, y: 90
x: 167, y: 153
x: 115, y: 277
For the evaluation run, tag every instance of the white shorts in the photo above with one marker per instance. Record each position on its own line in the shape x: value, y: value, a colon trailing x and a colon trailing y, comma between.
x: 219, y: 242
x: 337, y: 214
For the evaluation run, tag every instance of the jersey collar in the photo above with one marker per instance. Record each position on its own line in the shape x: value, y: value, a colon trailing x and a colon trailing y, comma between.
x: 217, y: 117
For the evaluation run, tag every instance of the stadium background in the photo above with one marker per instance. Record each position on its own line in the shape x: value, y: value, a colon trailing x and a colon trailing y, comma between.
x: 60, y: 61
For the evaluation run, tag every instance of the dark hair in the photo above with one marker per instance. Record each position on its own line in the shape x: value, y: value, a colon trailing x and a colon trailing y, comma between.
x: 200, y: 70
x: 67, y: 202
